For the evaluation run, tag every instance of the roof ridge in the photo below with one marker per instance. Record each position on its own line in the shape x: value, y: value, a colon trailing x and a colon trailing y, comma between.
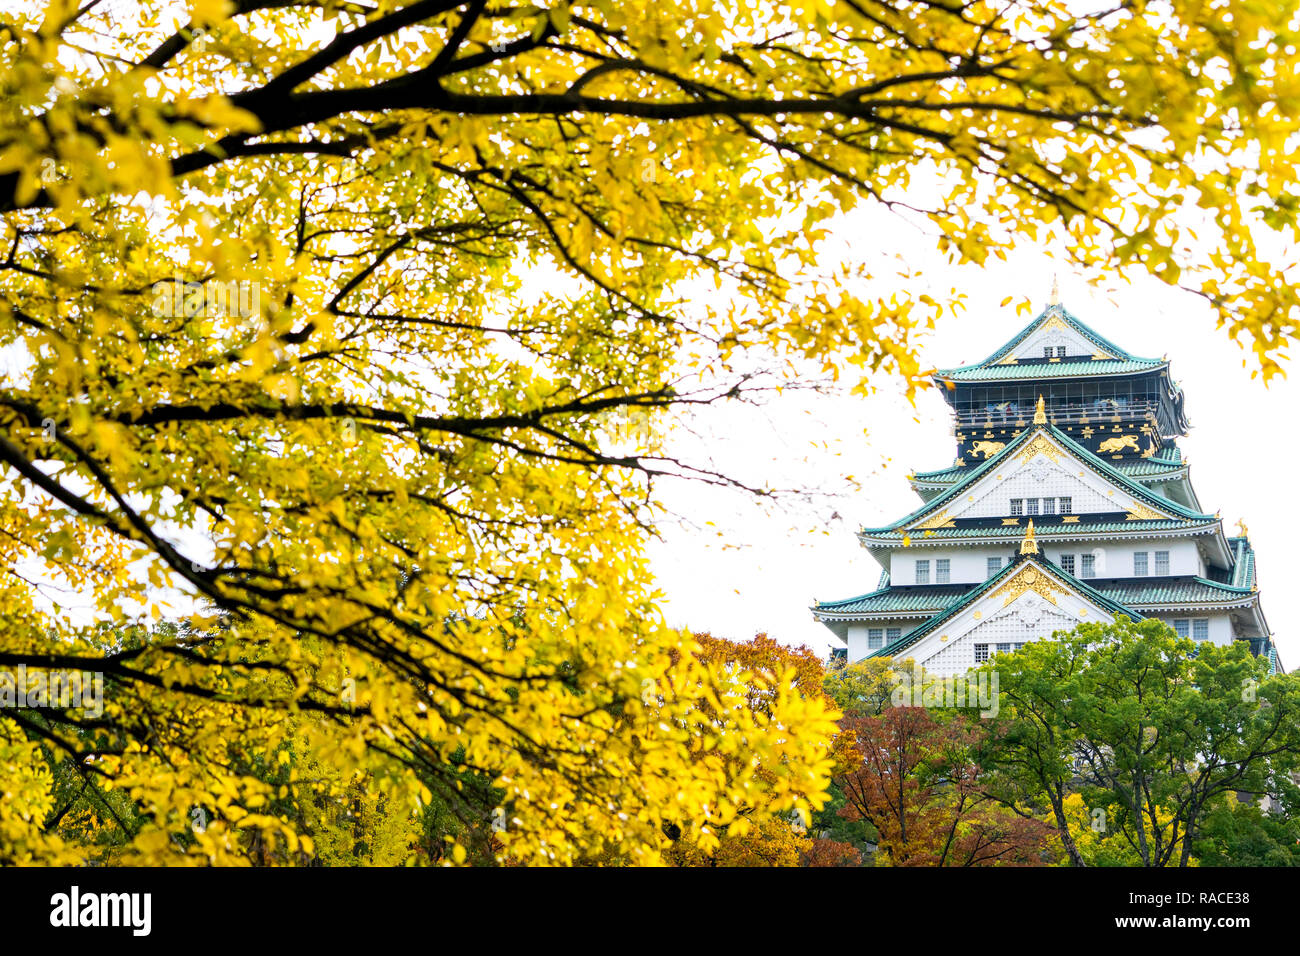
x: 819, y: 605
x: 935, y: 473
x: 1241, y: 570
x: 1070, y: 319
x: 1221, y: 585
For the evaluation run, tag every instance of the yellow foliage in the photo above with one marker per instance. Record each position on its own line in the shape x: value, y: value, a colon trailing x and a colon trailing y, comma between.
x: 341, y: 336
x: 1098, y: 841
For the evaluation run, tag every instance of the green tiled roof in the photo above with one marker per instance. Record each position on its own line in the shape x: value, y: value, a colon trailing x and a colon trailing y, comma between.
x: 1004, y: 373
x: 1160, y: 592
x: 901, y: 600
x: 1148, y: 467
x: 1099, y: 465
x: 951, y: 473
x: 1243, y: 562
x: 1129, y: 592
x: 1050, y: 532
x: 1137, y: 468
x: 989, y: 369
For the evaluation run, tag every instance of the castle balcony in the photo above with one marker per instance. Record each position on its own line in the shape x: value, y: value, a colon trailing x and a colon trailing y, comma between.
x: 1065, y: 413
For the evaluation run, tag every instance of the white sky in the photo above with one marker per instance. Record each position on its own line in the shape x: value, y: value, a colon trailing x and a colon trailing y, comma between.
x: 759, y: 571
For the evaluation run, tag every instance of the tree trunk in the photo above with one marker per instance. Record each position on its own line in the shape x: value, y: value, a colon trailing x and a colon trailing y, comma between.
x: 1067, y: 838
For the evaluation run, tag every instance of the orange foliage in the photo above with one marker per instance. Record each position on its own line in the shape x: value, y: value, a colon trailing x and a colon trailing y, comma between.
x: 918, y: 785
x: 831, y: 853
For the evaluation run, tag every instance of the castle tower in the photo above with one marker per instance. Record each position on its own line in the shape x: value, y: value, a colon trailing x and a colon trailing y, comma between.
x: 1069, y: 501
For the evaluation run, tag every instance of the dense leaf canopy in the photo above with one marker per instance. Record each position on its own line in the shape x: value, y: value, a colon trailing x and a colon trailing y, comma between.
x: 336, y: 322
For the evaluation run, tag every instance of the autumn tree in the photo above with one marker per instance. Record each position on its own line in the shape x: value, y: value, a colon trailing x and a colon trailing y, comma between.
x: 831, y: 853
x: 757, y: 836
x: 339, y: 816
x: 918, y: 785
x: 860, y: 689
x: 1092, y: 838
x: 336, y: 318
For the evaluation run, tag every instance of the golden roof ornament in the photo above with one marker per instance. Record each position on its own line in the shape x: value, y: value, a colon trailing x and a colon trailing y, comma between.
x: 1242, y: 530
x: 1056, y: 292
x: 1040, y: 413
x: 1030, y: 544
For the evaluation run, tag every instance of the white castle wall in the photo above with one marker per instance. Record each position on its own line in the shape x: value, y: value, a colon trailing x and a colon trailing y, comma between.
x: 969, y: 565
x: 858, y: 647
x: 1221, y: 629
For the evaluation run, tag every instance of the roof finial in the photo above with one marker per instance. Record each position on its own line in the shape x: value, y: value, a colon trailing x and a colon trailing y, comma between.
x: 1040, y: 413
x: 1242, y: 530
x: 1029, y: 545
x: 1056, y: 292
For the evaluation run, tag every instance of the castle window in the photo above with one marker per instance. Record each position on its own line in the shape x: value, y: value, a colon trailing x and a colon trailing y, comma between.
x: 1162, y: 562
x: 994, y: 566
x: 1049, y: 506
x: 1181, y: 627
x: 981, y: 653
x: 1031, y: 506
x: 1067, y: 563
x: 942, y: 571
x: 1065, y: 505
x: 893, y: 633
x: 923, y: 571
x: 1060, y: 351
x: 1047, y: 351
x: 1140, y: 564
x: 875, y: 638
x: 1017, y: 506
x: 1088, y: 565
x: 1004, y: 648
x: 1201, y: 629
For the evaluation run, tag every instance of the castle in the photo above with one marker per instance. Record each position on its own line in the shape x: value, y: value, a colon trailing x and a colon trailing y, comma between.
x: 1069, y: 501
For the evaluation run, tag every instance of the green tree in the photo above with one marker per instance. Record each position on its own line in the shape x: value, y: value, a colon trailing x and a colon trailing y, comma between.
x: 1029, y: 760
x: 1237, y: 833
x: 862, y: 689
x: 1152, y: 729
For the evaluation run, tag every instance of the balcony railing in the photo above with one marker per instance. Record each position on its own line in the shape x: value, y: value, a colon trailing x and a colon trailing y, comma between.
x: 1081, y: 413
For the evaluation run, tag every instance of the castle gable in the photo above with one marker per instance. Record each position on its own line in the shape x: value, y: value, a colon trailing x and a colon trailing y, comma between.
x: 1028, y: 601
x: 1055, y: 338
x: 1030, y: 477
